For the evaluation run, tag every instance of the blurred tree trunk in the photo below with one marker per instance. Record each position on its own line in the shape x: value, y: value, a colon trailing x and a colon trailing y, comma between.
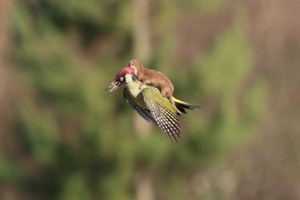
x: 7, y: 79
x: 7, y: 90
x: 142, y: 49
x: 141, y: 30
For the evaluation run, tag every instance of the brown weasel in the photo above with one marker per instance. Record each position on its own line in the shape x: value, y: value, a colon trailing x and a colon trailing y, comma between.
x: 154, y: 78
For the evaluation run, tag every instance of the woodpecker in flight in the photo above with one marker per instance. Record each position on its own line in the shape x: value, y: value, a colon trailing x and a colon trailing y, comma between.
x: 148, y: 101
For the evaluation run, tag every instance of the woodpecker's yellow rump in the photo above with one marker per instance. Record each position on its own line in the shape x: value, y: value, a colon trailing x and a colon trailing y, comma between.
x: 150, y: 103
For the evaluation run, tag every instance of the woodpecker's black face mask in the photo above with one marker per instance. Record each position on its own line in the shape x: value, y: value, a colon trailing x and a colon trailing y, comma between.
x: 116, y: 84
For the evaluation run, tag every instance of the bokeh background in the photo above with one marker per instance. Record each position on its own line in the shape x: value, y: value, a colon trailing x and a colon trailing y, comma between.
x: 62, y: 137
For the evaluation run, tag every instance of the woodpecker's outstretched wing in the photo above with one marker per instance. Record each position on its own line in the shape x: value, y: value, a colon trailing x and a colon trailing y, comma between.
x: 145, y: 113
x: 165, y: 118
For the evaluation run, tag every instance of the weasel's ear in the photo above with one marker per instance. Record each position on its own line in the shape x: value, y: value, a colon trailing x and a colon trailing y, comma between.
x: 134, y: 65
x: 134, y: 69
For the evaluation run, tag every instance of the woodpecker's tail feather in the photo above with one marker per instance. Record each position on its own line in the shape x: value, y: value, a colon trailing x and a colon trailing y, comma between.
x: 182, y: 105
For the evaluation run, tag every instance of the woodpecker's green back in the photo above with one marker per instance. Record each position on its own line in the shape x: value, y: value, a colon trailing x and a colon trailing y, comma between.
x: 150, y: 104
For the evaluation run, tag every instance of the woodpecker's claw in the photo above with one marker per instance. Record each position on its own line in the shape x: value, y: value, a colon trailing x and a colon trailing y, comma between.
x: 113, y: 86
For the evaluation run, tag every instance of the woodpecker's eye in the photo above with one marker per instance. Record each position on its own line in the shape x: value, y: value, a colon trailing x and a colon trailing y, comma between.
x: 121, y: 79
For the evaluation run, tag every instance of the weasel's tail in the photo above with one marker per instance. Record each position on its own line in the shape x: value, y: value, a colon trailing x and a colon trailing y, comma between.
x: 182, y: 105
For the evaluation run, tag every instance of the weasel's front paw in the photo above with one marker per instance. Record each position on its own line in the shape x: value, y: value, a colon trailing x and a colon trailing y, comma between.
x: 142, y: 84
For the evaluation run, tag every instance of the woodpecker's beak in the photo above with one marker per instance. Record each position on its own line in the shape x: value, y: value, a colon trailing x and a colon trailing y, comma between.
x: 113, y: 86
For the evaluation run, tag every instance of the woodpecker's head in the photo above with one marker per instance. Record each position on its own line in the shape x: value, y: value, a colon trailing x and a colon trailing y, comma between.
x: 120, y: 79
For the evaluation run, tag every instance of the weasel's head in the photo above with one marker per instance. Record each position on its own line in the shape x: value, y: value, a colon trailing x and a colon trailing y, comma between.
x: 136, y: 65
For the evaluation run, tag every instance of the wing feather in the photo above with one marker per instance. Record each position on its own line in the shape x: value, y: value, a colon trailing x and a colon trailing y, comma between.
x: 143, y: 112
x: 165, y: 119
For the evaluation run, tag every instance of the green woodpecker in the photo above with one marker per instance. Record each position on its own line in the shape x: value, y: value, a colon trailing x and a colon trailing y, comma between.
x: 150, y: 103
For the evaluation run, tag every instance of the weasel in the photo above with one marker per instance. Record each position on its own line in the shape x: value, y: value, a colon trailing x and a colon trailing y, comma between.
x: 154, y: 78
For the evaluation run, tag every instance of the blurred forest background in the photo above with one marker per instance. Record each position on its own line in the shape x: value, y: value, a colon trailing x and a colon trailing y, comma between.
x: 62, y: 137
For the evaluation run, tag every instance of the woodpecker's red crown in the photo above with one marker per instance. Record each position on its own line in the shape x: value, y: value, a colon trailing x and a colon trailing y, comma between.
x: 124, y: 71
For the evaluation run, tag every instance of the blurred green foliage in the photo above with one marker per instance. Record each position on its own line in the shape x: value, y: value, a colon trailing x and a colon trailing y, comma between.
x: 82, y: 141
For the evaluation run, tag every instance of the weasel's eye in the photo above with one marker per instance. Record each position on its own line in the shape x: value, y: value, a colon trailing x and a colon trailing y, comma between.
x: 121, y: 79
